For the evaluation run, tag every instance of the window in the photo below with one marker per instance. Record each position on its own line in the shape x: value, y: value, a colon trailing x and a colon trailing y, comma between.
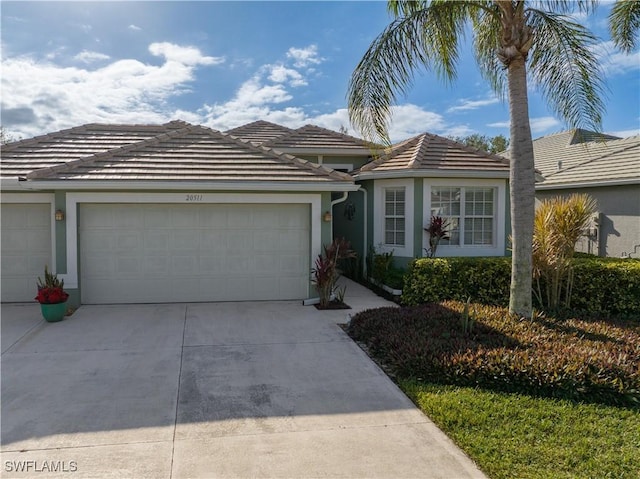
x: 470, y: 212
x: 394, y: 216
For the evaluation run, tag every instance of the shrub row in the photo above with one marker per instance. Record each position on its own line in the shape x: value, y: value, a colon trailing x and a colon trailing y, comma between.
x: 583, y: 360
x: 484, y: 280
x: 600, y: 285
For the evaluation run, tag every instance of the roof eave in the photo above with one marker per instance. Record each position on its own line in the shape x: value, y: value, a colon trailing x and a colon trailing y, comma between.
x: 587, y: 184
x: 379, y: 175
x: 326, y: 151
x: 70, y: 185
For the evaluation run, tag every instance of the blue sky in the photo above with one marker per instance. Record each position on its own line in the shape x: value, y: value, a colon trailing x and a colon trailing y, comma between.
x: 223, y: 64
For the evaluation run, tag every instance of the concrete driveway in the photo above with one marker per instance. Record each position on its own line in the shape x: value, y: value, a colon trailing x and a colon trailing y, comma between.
x: 269, y: 389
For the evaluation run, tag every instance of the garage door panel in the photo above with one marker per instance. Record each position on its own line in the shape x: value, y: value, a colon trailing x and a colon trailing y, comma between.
x: 25, y: 248
x: 130, y: 240
x: 124, y: 217
x: 184, y: 253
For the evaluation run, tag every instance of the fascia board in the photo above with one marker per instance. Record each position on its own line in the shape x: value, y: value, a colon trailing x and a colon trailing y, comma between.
x: 587, y: 184
x: 326, y: 151
x: 430, y: 174
x: 71, y: 185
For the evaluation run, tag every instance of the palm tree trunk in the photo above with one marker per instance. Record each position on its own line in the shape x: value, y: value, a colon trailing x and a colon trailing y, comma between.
x: 522, y: 190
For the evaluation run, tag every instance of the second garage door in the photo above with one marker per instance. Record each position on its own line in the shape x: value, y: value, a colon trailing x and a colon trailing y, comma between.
x: 26, y: 248
x: 144, y: 253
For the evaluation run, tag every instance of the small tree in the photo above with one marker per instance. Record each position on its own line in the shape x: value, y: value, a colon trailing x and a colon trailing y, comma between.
x: 326, y: 272
x: 559, y: 223
x: 437, y: 231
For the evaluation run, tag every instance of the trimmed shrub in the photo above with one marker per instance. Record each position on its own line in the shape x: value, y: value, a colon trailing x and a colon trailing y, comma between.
x: 600, y: 285
x: 606, y: 285
x: 593, y: 361
x: 484, y: 280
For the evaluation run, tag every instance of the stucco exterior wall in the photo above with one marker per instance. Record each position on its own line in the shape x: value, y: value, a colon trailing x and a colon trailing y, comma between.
x: 619, y: 233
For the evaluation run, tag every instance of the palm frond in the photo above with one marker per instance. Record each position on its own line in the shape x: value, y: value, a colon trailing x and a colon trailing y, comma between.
x: 565, y: 69
x: 624, y: 24
x: 425, y: 38
x: 487, y: 28
x: 565, y: 6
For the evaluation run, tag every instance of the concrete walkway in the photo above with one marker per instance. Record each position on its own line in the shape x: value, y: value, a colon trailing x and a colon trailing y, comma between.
x: 268, y: 389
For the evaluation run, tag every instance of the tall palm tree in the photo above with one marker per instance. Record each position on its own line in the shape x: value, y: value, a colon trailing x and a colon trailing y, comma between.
x: 512, y: 40
x: 624, y: 23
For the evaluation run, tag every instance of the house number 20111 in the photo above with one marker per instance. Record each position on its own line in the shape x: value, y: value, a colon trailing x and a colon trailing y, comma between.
x: 193, y: 198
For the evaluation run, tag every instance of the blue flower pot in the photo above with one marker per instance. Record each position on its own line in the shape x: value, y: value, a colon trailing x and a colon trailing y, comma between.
x: 53, y: 312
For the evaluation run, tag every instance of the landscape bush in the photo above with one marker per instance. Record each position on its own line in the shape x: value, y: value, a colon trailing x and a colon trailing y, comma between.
x: 600, y: 285
x: 606, y: 285
x: 593, y: 361
x: 484, y: 280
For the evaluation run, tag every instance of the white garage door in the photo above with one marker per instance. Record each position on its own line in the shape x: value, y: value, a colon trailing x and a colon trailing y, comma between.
x: 143, y: 253
x: 26, y: 249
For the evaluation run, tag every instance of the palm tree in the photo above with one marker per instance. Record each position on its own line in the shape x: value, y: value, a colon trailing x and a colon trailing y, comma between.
x: 624, y: 23
x: 512, y: 39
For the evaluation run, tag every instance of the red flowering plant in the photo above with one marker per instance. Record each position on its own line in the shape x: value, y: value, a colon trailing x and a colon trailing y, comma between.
x: 437, y: 231
x: 51, y: 290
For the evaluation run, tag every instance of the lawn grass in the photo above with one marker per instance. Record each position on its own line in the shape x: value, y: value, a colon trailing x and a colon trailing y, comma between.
x: 518, y: 436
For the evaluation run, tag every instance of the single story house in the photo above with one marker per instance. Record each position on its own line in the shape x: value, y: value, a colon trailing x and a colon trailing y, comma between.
x: 164, y: 213
x: 608, y: 169
x: 183, y: 213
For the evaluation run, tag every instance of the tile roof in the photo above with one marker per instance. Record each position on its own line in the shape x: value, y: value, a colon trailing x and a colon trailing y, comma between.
x: 308, y: 137
x: 22, y: 157
x: 315, y: 138
x: 178, y: 152
x: 427, y: 152
x: 260, y: 131
x: 582, y: 156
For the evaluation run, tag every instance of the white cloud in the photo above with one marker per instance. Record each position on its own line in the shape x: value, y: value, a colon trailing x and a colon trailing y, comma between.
x: 465, y: 104
x: 135, y: 28
x: 190, y: 56
x: 626, y: 133
x: 538, y: 125
x: 305, y: 57
x: 282, y: 74
x: 53, y: 97
x: 86, y: 56
x: 614, y: 62
x: 410, y: 120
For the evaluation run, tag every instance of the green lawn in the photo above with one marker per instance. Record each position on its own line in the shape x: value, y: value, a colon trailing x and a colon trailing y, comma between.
x: 519, y: 436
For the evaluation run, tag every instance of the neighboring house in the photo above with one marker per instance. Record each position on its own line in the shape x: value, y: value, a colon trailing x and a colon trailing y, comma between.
x: 182, y: 213
x: 608, y: 169
x: 167, y: 213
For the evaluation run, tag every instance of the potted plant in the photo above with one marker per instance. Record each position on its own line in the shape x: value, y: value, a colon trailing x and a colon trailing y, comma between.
x: 52, y: 297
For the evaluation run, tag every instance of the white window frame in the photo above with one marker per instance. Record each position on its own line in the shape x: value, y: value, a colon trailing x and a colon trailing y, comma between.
x: 380, y: 187
x: 498, y: 246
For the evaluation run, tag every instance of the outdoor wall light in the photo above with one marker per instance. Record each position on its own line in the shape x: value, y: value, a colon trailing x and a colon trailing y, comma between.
x: 326, y: 217
x: 59, y: 215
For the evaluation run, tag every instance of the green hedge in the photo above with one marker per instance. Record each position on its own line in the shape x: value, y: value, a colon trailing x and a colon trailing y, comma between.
x: 484, y: 280
x: 601, y: 285
x: 606, y: 285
